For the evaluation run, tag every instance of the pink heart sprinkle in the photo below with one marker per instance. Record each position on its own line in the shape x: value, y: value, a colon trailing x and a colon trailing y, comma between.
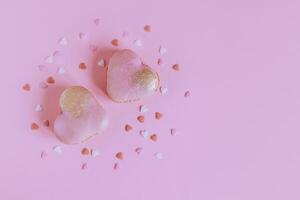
x: 84, y: 166
x: 93, y: 48
x: 187, y: 94
x: 82, y: 36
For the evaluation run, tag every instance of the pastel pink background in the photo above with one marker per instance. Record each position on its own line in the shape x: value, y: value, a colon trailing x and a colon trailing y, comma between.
x: 238, y: 132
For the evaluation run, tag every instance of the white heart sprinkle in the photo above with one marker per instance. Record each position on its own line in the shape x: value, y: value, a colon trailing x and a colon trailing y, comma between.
x: 57, y: 149
x: 101, y: 63
x: 94, y: 153
x: 143, y: 109
x: 144, y: 133
x: 162, y: 50
x: 159, y: 156
x: 63, y: 41
x: 163, y: 90
x: 61, y: 70
x: 82, y: 36
x: 139, y: 150
x: 49, y: 59
x: 137, y: 43
x: 38, y: 108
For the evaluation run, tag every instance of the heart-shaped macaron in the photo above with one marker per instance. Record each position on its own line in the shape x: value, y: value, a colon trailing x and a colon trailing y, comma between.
x: 82, y: 117
x: 128, y: 79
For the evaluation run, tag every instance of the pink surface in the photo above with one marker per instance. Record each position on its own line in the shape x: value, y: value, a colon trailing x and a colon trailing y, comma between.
x: 238, y: 132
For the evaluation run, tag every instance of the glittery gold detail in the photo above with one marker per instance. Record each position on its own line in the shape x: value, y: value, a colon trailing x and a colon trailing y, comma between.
x: 73, y: 100
x: 146, y: 78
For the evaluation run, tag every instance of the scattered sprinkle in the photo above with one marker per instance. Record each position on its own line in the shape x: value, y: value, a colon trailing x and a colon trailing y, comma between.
x: 128, y: 128
x: 162, y: 50
x: 41, y: 67
x: 94, y: 153
x: 159, y: 156
x: 43, y: 85
x: 46, y: 123
x: 26, y: 87
x: 176, y: 67
x: 82, y: 36
x: 158, y: 115
x: 34, y: 126
x: 125, y: 34
x: 49, y: 59
x: 50, y: 80
x: 85, y: 151
x: 93, y: 48
x: 137, y: 43
x: 84, y: 166
x: 141, y: 118
x: 115, y: 42
x: 61, y: 70
x: 82, y: 66
x: 97, y: 21
x: 63, y: 41
x: 38, y: 108
x: 138, y: 150
x: 187, y: 94
x: 160, y: 61
x: 44, y: 155
x: 120, y: 156
x: 143, y: 109
x: 153, y: 137
x: 173, y: 132
x: 147, y: 28
x: 163, y: 90
x: 116, y: 166
x: 101, y: 63
x: 144, y: 133
x: 57, y: 149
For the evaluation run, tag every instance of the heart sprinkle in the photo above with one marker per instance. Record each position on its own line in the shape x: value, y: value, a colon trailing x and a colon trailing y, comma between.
x: 49, y: 59
x: 82, y: 66
x: 153, y: 137
x: 94, y: 153
x: 128, y: 128
x: 84, y: 166
x: 97, y: 21
x: 50, y: 80
x: 163, y: 90
x: 63, y: 41
x: 144, y: 133
x: 143, y: 109
x: 57, y: 149
x: 176, y: 67
x: 159, y: 156
x: 46, y: 123
x: 101, y: 63
x: 158, y: 115
x: 138, y: 150
x: 43, y: 85
x: 162, y: 50
x: 38, y: 108
x: 82, y: 36
x: 41, y: 67
x: 115, y: 42
x: 44, y: 155
x: 187, y: 94
x: 34, y: 126
x: 137, y: 43
x: 173, y: 132
x: 120, y: 156
x: 85, y: 151
x: 116, y: 166
x: 147, y: 28
x: 61, y: 70
x: 26, y: 87
x: 141, y: 119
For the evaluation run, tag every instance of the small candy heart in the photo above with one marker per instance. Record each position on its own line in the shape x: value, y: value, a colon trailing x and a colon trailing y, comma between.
x: 82, y: 116
x: 128, y: 79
